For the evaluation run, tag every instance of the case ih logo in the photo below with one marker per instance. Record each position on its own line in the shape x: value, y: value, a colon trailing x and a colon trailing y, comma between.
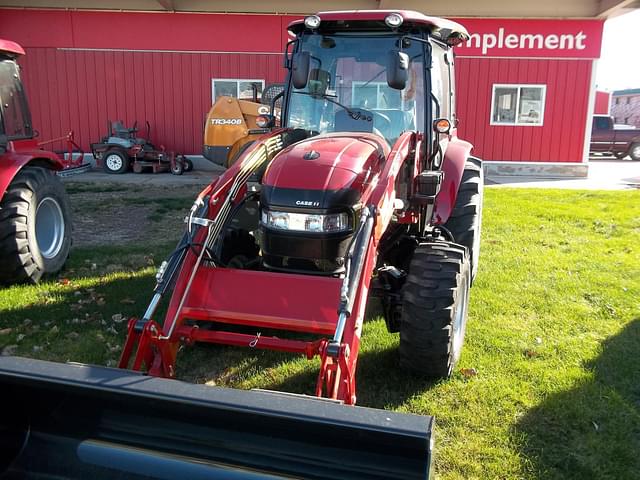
x: 532, y: 38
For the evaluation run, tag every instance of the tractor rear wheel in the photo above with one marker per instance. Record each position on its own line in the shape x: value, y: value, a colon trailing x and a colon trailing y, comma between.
x: 465, y: 222
x: 35, y: 226
x: 435, y: 299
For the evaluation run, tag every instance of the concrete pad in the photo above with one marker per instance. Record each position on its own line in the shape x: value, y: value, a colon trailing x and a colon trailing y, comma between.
x: 604, y: 174
x: 550, y: 170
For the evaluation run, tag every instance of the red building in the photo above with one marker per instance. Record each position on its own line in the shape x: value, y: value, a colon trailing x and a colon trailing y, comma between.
x: 525, y: 88
x: 603, y: 103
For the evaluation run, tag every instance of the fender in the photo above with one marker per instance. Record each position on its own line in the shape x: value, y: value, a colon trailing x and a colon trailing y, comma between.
x: 455, y: 158
x: 20, y: 153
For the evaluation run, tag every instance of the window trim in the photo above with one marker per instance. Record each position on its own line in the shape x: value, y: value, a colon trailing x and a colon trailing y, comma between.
x: 519, y: 86
x: 237, y: 80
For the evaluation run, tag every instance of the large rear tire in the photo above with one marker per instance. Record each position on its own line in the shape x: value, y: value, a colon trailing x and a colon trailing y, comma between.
x: 435, y: 299
x: 35, y: 226
x: 465, y: 222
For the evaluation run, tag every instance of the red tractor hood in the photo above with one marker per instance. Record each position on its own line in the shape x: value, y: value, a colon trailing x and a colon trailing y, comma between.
x: 329, y: 162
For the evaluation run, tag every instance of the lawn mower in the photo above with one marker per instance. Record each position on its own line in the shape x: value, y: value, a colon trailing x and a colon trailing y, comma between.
x: 121, y: 150
x: 364, y: 190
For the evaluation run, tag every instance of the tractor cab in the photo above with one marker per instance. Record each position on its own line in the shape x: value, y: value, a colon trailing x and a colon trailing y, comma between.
x: 378, y: 72
x: 15, y: 119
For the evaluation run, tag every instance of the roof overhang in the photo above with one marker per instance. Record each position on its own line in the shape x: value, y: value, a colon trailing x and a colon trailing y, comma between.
x: 460, y: 8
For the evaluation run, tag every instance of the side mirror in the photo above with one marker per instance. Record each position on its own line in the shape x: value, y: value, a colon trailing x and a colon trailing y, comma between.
x: 300, y: 69
x: 397, y: 69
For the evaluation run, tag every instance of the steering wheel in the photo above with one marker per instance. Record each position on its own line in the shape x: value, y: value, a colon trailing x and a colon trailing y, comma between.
x: 386, y: 125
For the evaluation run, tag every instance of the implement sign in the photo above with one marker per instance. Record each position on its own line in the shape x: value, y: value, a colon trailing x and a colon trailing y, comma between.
x: 531, y: 38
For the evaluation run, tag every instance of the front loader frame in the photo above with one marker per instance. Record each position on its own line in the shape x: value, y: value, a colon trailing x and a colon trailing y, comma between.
x: 205, y: 291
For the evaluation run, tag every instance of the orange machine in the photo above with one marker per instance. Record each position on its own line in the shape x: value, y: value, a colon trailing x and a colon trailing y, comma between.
x: 232, y: 124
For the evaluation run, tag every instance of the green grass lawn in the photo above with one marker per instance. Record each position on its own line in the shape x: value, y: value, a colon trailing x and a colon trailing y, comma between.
x: 553, y: 339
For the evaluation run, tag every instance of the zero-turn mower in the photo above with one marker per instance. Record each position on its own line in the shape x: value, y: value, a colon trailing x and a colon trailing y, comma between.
x: 121, y: 149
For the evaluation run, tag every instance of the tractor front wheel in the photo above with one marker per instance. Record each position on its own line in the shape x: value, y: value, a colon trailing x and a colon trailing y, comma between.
x: 435, y: 299
x: 35, y: 226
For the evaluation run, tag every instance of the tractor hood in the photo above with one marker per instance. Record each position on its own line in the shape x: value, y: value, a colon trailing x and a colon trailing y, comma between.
x: 326, y: 172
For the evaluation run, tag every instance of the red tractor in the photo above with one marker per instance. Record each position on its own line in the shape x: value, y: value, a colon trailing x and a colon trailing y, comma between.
x: 364, y: 190
x: 35, y: 222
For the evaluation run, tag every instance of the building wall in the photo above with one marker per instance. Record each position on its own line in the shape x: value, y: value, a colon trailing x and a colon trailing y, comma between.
x: 625, y: 107
x: 83, y: 68
x: 603, y: 103
x: 559, y: 139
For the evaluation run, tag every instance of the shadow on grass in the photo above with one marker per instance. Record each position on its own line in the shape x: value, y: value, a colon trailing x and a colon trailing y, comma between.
x: 593, y: 430
x: 374, y: 387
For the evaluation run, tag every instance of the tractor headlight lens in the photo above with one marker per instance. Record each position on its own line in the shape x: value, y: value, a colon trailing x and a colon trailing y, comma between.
x: 303, y: 222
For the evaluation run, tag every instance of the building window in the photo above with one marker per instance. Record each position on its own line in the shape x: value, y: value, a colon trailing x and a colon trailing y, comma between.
x: 617, y: 100
x: 234, y: 87
x: 518, y: 105
x: 628, y: 100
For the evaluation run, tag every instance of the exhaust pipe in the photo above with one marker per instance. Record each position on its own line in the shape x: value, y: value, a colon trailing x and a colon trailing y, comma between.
x: 80, y: 421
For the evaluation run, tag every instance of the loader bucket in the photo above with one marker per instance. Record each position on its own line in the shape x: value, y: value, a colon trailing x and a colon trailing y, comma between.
x: 80, y: 421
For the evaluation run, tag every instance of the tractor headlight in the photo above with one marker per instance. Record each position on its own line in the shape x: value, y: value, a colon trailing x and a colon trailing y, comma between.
x: 304, y: 222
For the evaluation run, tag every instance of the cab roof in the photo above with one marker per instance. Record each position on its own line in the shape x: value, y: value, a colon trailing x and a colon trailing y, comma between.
x: 12, y: 49
x: 439, y: 27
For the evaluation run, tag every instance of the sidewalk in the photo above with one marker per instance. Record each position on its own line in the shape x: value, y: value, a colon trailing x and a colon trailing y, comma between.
x: 604, y: 174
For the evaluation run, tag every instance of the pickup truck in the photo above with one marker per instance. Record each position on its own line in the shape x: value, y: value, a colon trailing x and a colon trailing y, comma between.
x: 619, y: 142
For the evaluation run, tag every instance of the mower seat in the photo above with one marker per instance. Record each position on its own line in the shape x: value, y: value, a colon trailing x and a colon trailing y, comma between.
x: 120, y: 131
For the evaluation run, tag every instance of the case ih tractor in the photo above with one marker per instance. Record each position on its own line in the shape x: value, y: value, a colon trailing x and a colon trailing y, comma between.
x: 365, y: 190
x: 35, y: 223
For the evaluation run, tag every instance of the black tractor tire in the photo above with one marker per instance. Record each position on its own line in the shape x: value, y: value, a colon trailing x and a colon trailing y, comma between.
x: 435, y: 299
x: 115, y: 161
x: 465, y: 222
x: 35, y: 226
x: 634, y: 151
